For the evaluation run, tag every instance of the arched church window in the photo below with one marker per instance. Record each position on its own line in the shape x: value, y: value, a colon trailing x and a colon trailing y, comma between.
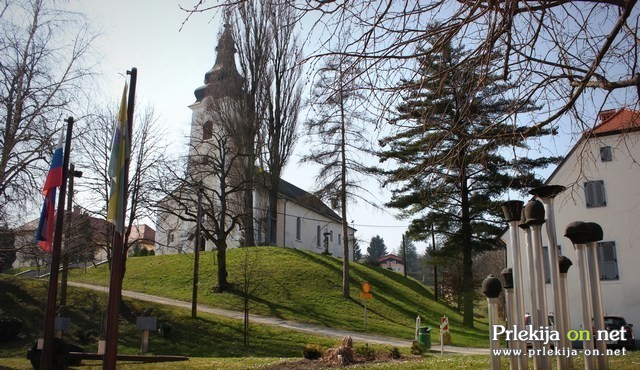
x: 207, y: 130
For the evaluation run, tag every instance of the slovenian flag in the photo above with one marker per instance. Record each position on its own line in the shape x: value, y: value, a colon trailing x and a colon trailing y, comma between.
x: 47, y: 217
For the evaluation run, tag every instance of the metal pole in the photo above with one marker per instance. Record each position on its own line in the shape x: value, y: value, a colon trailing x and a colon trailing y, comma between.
x: 564, y: 264
x: 507, y: 274
x: 585, y: 296
x: 546, y: 194
x: 491, y: 287
x: 435, y: 265
x: 46, y: 358
x: 533, y: 284
x: 597, y: 305
x: 542, y: 310
x: 196, y: 260
x: 508, y: 296
x: 513, y: 213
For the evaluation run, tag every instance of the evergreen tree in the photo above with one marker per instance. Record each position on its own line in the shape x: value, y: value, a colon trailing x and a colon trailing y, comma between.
x: 376, y: 249
x: 357, y: 252
x: 448, y: 172
x: 409, y: 255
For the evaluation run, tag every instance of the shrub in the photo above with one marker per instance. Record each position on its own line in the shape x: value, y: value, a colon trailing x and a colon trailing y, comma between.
x: 394, y: 353
x: 312, y: 351
x: 366, y: 352
x: 164, y: 329
x: 418, y: 348
x: 9, y: 328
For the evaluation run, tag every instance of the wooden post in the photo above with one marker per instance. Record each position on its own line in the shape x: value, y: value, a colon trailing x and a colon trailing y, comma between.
x: 115, y: 285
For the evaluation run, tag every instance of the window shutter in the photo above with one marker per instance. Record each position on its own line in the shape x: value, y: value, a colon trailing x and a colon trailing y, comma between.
x: 594, y: 193
x: 606, y: 154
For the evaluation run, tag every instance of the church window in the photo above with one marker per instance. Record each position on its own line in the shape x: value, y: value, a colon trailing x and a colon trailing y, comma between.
x: 207, y: 130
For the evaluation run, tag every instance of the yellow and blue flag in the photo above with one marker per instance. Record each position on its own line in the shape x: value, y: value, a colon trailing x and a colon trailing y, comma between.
x: 120, y: 152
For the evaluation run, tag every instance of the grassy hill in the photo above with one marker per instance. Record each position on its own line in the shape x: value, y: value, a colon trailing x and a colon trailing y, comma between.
x: 204, y: 336
x: 298, y: 285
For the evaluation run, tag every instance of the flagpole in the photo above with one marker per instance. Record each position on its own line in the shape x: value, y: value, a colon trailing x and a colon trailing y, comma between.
x: 117, y: 256
x: 46, y: 358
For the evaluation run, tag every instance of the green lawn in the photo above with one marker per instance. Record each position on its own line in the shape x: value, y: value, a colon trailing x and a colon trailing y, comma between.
x: 631, y: 361
x: 204, y: 336
x: 299, y: 285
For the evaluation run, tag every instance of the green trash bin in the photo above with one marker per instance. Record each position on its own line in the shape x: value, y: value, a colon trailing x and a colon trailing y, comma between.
x: 424, y: 336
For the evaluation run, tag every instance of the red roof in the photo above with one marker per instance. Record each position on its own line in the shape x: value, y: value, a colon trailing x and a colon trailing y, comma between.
x: 390, y: 257
x: 612, y: 122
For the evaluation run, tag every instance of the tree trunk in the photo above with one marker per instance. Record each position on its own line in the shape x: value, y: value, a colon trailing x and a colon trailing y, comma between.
x: 467, y: 249
x: 274, y: 179
x: 223, y: 284
x: 247, y: 219
x: 343, y: 199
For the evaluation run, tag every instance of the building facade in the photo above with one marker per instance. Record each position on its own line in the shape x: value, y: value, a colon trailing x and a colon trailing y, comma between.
x: 601, y: 174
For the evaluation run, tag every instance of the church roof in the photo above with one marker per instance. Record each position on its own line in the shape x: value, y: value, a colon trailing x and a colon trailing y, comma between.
x: 223, y: 79
x: 289, y: 191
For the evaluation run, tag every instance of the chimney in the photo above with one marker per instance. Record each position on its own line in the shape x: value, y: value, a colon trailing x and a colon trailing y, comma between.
x: 605, y: 115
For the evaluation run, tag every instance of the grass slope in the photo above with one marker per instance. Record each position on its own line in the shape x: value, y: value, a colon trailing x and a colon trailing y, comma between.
x: 204, y: 336
x: 298, y: 285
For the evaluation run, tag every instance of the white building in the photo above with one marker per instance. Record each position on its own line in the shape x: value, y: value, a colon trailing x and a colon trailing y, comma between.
x: 303, y: 222
x: 601, y: 173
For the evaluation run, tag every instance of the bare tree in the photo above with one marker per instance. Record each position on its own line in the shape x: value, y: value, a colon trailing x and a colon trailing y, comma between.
x: 42, y: 67
x: 270, y: 56
x: 339, y: 142
x: 567, y: 55
x: 148, y: 152
x: 253, y: 278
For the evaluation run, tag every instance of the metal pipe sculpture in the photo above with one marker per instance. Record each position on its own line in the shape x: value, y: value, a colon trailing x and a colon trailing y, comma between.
x: 546, y: 194
x: 578, y: 232
x: 534, y: 214
x: 533, y: 283
x: 596, y: 234
x: 491, y: 287
x: 564, y: 263
x: 507, y: 275
x: 512, y: 213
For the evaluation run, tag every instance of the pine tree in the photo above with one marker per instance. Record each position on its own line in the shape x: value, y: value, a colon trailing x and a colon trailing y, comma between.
x: 376, y: 249
x: 452, y: 157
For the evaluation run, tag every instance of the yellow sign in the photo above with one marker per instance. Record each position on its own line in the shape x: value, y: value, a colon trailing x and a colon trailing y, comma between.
x: 366, y: 287
x: 366, y: 295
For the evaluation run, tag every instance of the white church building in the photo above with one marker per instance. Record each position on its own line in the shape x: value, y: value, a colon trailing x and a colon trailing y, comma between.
x: 303, y: 222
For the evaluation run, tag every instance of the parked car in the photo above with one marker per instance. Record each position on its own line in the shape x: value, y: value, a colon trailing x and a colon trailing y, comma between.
x: 613, y: 323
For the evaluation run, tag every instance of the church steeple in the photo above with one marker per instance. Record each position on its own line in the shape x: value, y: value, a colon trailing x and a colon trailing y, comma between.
x: 223, y: 79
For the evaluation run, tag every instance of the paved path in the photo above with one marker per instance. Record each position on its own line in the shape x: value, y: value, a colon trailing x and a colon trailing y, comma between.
x: 314, y: 329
